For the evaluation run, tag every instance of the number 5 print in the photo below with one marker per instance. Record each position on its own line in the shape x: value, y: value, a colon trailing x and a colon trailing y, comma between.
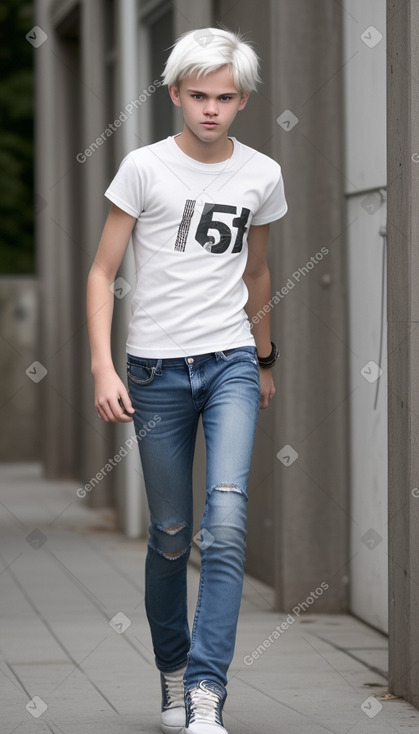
x: 207, y: 223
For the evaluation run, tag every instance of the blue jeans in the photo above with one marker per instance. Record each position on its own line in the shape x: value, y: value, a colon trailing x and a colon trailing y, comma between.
x: 168, y: 396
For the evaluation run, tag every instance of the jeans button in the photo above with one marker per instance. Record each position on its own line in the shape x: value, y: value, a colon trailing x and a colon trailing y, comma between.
x: 190, y: 360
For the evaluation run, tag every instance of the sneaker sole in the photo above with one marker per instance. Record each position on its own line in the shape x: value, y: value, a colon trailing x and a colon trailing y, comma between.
x: 172, y: 729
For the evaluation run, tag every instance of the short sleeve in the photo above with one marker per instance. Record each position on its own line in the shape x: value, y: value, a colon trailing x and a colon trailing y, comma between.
x: 275, y: 205
x: 125, y: 189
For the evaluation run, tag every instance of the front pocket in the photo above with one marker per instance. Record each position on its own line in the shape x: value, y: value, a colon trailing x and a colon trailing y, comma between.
x: 239, y: 355
x: 140, y: 374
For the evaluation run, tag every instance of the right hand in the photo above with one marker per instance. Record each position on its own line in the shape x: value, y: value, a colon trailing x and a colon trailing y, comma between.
x: 109, y: 389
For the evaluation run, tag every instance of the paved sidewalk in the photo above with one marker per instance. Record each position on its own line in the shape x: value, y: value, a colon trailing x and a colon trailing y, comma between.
x: 66, y: 573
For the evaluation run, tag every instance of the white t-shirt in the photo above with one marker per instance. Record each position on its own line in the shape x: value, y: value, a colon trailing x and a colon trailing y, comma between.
x: 190, y: 244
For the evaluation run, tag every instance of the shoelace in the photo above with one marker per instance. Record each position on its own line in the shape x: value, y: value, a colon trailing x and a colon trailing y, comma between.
x: 174, y: 690
x: 204, y: 705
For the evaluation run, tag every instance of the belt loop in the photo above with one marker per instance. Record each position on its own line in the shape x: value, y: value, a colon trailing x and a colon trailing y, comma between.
x: 158, y: 366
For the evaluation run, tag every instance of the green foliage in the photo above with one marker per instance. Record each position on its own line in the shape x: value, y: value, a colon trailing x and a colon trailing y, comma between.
x: 16, y: 139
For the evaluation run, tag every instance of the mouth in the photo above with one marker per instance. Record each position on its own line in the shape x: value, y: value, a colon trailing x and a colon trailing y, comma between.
x: 210, y: 124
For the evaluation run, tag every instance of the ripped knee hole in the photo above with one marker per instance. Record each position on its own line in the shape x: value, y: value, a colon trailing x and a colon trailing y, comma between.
x: 228, y: 488
x: 177, y: 554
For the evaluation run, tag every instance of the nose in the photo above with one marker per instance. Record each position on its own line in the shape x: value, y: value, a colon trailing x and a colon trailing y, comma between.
x: 211, y: 107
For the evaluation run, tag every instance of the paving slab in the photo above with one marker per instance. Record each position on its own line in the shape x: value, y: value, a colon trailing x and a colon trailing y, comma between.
x: 76, y: 654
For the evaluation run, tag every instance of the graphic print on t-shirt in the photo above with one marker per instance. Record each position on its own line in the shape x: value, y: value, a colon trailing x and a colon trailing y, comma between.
x: 208, y: 224
x: 190, y: 244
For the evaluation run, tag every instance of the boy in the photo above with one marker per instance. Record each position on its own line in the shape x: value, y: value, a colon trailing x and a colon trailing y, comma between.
x: 198, y: 205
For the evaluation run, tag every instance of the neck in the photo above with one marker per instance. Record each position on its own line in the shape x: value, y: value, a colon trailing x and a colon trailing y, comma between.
x: 214, y: 152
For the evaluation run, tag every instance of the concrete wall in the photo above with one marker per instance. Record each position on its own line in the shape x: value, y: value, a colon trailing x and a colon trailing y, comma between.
x: 311, y: 409
x: 403, y: 345
x: 365, y: 188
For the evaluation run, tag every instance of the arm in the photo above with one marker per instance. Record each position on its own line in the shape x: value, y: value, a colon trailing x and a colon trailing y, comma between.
x: 109, y: 388
x: 258, y: 282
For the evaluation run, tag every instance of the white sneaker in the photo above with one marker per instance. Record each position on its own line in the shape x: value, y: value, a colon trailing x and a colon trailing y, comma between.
x: 173, y: 717
x: 204, y: 710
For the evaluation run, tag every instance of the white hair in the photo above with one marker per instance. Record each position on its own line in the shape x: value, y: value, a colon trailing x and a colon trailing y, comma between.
x: 208, y: 49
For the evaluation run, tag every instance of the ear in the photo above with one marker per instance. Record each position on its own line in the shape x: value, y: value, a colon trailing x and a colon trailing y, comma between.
x: 243, y: 101
x: 174, y: 95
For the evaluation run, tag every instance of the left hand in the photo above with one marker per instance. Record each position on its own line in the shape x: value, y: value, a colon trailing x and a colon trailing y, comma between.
x: 267, y: 387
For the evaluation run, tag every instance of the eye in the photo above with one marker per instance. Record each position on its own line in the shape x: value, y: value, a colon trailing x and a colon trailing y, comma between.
x: 196, y: 96
x: 225, y: 98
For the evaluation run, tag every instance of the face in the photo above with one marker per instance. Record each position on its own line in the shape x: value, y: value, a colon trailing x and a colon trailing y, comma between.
x: 209, y: 103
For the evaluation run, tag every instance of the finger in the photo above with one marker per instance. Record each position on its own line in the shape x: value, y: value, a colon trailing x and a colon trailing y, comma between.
x: 107, y: 414
x: 266, y: 400
x: 117, y: 408
x: 126, y: 402
x: 114, y: 409
x: 104, y: 411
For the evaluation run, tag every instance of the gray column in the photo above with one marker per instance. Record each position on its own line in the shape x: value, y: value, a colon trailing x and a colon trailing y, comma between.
x: 403, y: 345
x: 70, y: 113
x: 129, y: 486
x: 55, y: 62
x: 45, y: 195
x: 97, y: 440
x: 310, y: 321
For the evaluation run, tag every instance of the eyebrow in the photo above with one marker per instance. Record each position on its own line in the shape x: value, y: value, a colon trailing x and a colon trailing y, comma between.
x: 224, y: 94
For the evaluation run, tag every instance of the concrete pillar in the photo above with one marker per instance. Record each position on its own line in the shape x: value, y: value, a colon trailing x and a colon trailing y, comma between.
x: 96, y: 443
x: 311, y: 503
x: 403, y: 345
x: 44, y: 195
x: 129, y: 482
x: 55, y: 72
